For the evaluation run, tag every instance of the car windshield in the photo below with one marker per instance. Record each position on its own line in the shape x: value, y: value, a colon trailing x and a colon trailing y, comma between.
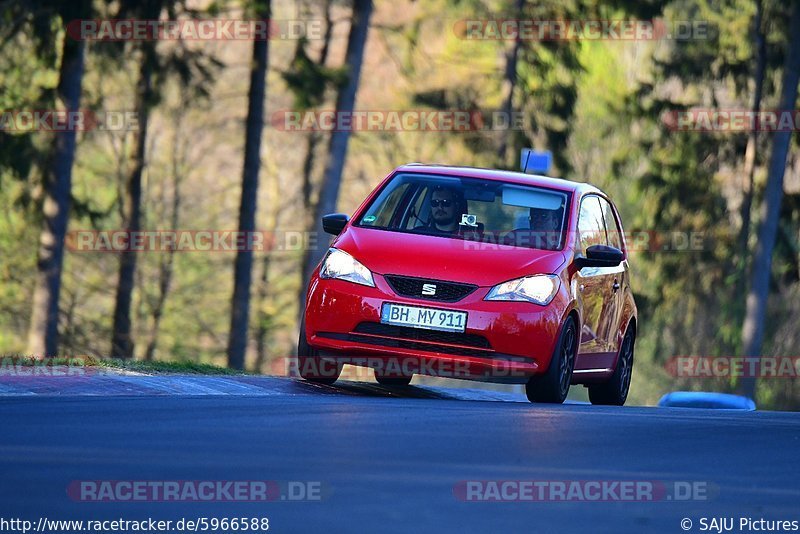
x: 468, y: 208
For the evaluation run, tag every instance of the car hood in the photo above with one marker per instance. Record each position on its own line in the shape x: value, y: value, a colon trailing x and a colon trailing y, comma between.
x: 441, y: 258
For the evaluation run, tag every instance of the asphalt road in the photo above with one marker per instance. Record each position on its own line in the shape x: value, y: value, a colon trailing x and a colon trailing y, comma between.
x: 388, y: 461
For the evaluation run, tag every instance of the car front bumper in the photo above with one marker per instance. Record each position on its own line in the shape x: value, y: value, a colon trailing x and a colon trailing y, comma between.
x: 503, y: 341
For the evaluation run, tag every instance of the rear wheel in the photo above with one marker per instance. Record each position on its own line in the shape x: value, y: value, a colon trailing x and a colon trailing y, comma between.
x: 615, y: 391
x: 384, y: 380
x: 311, y: 366
x: 553, y: 386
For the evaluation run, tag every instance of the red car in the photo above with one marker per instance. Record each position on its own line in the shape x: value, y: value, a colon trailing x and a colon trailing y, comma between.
x: 476, y: 274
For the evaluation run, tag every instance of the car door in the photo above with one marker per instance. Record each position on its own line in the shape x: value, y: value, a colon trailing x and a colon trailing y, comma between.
x: 611, y: 314
x: 594, y: 286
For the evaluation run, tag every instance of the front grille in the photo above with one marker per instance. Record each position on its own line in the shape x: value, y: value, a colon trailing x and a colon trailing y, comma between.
x: 444, y: 291
x: 420, y: 334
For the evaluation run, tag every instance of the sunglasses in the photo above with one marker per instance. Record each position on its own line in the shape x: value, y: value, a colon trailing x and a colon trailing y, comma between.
x: 443, y: 203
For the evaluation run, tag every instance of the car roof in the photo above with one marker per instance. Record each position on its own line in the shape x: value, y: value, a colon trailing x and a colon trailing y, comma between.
x: 501, y: 176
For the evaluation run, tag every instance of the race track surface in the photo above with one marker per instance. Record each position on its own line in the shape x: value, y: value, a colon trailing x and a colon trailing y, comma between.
x: 394, y: 460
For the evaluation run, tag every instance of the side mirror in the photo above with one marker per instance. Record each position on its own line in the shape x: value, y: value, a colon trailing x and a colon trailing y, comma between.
x: 334, y: 223
x: 600, y: 256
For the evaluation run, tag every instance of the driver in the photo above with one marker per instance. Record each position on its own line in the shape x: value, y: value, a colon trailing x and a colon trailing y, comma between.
x: 447, y: 205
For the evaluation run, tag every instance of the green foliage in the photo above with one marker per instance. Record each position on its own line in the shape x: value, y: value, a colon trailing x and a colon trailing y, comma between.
x: 682, y: 183
x: 598, y: 105
x: 307, y: 80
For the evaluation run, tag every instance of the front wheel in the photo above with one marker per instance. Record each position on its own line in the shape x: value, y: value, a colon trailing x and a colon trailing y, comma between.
x: 552, y: 387
x: 311, y: 366
x: 615, y: 391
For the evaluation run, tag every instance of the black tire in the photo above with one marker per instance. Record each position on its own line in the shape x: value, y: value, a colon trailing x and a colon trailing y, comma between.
x: 614, y: 392
x: 393, y: 380
x: 313, y: 368
x: 552, y: 386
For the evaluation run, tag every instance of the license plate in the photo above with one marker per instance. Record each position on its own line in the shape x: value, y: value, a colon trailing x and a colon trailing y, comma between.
x: 428, y: 318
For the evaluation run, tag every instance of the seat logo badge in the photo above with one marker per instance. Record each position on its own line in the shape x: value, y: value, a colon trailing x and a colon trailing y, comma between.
x: 428, y: 289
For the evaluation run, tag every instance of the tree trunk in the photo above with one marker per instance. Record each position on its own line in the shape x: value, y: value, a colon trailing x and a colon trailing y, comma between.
x: 753, y: 329
x: 240, y: 303
x: 43, y: 333
x: 262, y: 318
x: 262, y: 331
x: 509, y: 84
x: 337, y: 146
x: 313, y: 138
x: 167, y: 259
x: 751, y: 152
x: 122, y: 345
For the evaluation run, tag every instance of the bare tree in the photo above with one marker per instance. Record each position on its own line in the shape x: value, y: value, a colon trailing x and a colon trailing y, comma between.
x: 751, y: 151
x: 192, y: 69
x: 314, y: 138
x: 43, y: 332
x: 240, y: 303
x: 262, y: 290
x: 167, y: 259
x: 509, y: 85
x: 755, y: 319
x: 337, y: 146
x: 121, y: 338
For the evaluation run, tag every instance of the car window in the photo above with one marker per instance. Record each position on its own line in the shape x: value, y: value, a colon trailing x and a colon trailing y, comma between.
x: 388, y: 205
x: 470, y: 208
x: 591, y: 228
x: 418, y: 208
x: 613, y: 230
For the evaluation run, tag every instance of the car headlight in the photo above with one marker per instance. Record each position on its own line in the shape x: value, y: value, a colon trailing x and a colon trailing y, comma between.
x: 341, y: 265
x: 539, y: 289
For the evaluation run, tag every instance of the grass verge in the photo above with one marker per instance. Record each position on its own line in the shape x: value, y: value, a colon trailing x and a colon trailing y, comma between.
x: 138, y: 366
